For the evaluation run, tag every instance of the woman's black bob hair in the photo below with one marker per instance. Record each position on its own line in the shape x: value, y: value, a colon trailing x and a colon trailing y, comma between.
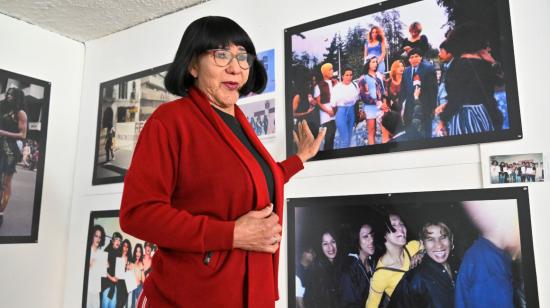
x: 207, y: 33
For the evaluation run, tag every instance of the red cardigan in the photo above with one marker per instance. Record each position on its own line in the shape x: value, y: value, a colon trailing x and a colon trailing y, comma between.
x: 189, y: 180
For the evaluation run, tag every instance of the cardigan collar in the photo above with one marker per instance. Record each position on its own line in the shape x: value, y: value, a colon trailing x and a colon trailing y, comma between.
x: 248, y: 160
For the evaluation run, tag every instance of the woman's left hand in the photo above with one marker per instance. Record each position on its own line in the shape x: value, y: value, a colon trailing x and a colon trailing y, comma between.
x: 307, y: 145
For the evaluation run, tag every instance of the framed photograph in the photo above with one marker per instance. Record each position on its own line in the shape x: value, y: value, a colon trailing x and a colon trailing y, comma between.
x: 403, y: 75
x: 478, y: 241
x: 124, y: 105
x: 516, y: 169
x: 24, y: 105
x: 115, y: 261
x: 261, y: 116
x: 267, y: 58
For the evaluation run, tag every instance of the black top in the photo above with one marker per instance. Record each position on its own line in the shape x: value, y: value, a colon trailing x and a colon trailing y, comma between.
x: 421, y: 44
x: 355, y: 282
x: 428, y: 285
x: 235, y: 126
x: 471, y: 82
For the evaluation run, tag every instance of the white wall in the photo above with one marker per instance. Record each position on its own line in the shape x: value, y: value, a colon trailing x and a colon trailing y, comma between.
x: 32, y: 275
x: 154, y: 43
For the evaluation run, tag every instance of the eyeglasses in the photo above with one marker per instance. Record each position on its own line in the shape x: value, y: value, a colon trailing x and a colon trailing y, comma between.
x: 223, y: 57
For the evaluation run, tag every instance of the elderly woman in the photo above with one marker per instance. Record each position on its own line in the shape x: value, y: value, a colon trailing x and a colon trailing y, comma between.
x: 200, y: 184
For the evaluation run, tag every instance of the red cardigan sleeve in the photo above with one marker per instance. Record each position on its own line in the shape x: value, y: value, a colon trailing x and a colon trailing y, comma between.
x: 291, y: 166
x: 146, y: 210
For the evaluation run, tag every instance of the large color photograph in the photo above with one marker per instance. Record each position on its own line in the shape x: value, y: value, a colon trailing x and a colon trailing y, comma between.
x: 116, y: 264
x: 124, y: 106
x: 24, y: 103
x: 403, y: 75
x: 464, y: 248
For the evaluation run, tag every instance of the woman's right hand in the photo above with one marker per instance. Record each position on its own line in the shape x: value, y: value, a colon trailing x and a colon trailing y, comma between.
x: 258, y: 231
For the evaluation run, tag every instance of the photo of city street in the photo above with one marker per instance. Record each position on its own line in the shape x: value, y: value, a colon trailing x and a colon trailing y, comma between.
x: 124, y: 106
x: 24, y: 105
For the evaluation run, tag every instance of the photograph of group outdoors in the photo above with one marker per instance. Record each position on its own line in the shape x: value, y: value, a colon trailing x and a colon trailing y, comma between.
x: 124, y: 106
x: 261, y: 116
x: 116, y: 264
x: 444, y: 249
x: 403, y: 75
x: 24, y: 105
x: 519, y: 168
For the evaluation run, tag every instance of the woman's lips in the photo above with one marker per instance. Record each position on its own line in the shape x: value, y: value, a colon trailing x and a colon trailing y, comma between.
x: 231, y: 85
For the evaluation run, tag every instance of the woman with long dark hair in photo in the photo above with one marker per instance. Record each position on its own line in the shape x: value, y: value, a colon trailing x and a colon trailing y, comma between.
x: 97, y: 266
x: 394, y: 262
x: 358, y: 270
x: 138, y: 269
x: 323, y: 290
x: 371, y: 90
x: 13, y: 127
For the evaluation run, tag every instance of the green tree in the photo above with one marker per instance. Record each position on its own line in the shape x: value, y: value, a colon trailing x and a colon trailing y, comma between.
x: 483, y: 12
x: 353, y: 50
x: 393, y: 28
x: 331, y: 56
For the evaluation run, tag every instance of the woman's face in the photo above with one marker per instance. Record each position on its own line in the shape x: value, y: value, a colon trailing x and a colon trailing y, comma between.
x: 373, y: 64
x: 415, y: 32
x: 97, y: 238
x: 366, y: 240
x: 399, y: 237
x: 400, y: 68
x: 125, y: 248
x: 138, y: 253
x: 373, y: 33
x: 347, y: 77
x: 9, y: 95
x: 220, y: 84
x: 437, y: 244
x: 328, y: 244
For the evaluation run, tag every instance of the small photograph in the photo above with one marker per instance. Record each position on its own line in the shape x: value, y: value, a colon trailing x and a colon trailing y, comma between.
x: 124, y: 106
x: 464, y: 248
x: 267, y: 58
x: 261, y: 116
x: 116, y: 264
x: 519, y: 168
x: 24, y: 104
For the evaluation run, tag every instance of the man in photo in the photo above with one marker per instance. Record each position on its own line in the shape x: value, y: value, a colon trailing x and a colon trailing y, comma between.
x: 486, y: 277
x: 110, y: 283
x: 322, y: 94
x: 420, y: 75
x: 430, y: 284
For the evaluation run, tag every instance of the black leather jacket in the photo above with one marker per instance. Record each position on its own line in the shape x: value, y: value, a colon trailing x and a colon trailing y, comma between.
x: 426, y: 286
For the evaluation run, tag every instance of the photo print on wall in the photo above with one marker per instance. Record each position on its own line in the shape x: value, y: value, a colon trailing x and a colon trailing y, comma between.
x: 517, y: 168
x: 356, y: 251
x: 124, y: 105
x: 403, y: 75
x: 116, y: 263
x: 267, y: 58
x: 261, y: 116
x: 24, y: 105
